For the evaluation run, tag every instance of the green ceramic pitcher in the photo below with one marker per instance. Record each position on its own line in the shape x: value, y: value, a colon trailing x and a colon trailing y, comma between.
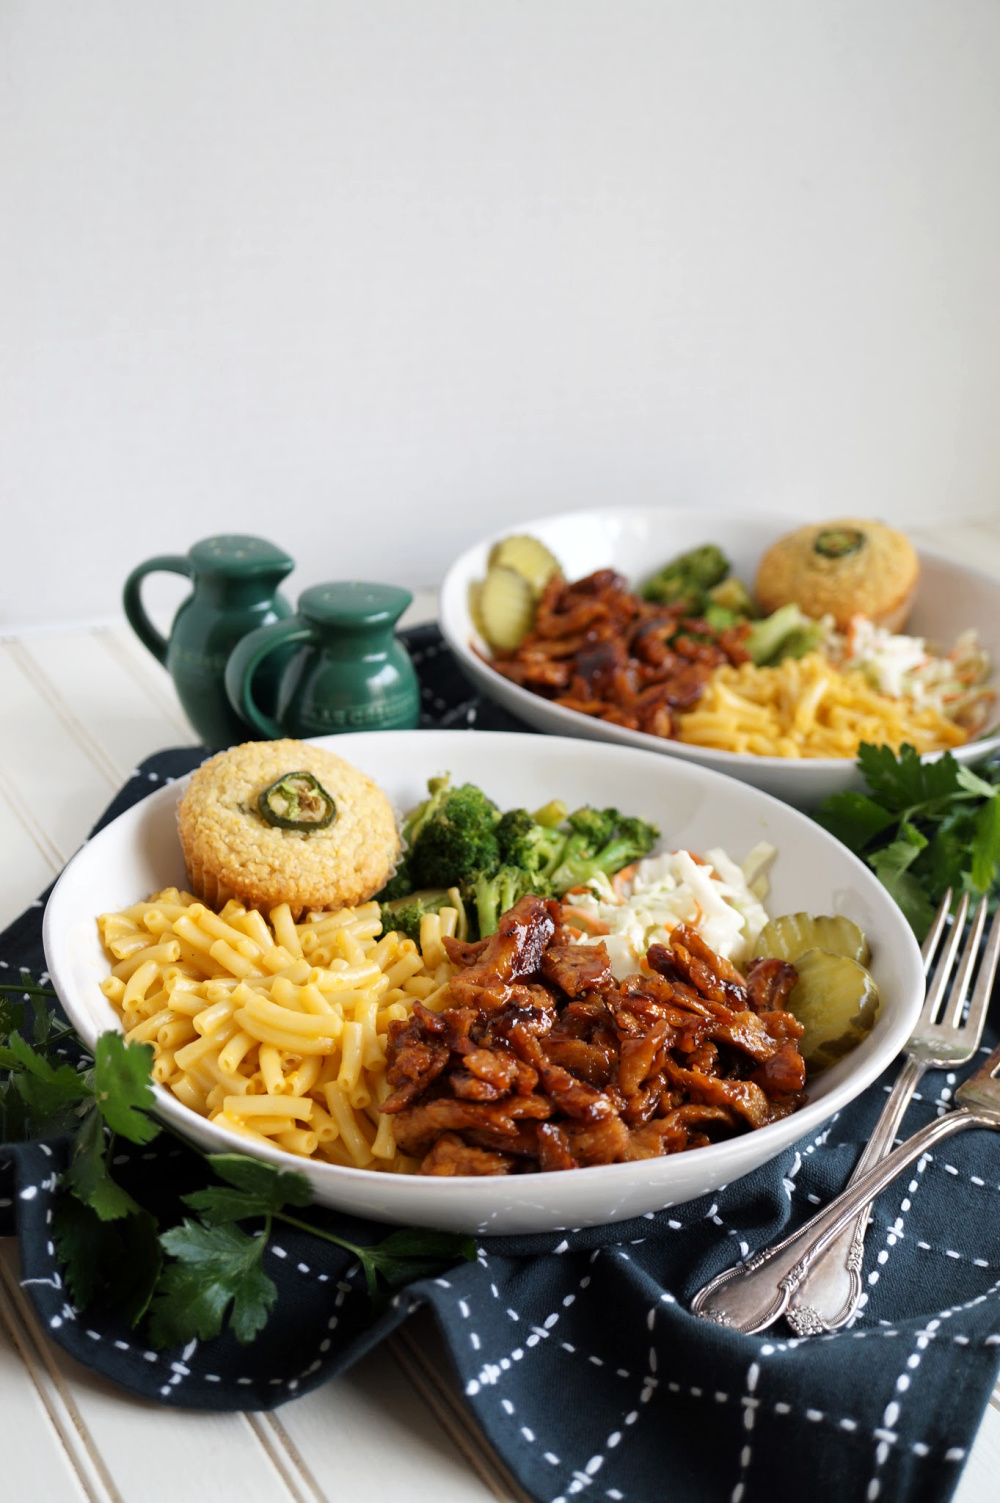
x: 348, y: 671
x: 235, y: 581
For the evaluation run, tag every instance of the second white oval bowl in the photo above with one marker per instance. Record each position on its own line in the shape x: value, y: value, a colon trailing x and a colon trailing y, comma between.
x: 637, y: 540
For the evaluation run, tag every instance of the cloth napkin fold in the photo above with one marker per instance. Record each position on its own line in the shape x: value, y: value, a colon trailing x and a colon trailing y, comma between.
x: 576, y: 1352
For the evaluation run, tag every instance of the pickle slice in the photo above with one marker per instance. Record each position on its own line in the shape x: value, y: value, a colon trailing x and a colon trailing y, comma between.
x: 527, y: 557
x: 475, y: 591
x: 837, y: 1001
x: 788, y: 937
x: 506, y: 608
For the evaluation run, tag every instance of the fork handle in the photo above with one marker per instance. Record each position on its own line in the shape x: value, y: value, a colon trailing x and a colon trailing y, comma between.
x: 752, y: 1295
x: 830, y: 1289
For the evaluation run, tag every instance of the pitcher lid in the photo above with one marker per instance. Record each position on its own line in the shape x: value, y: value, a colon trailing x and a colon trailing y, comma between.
x: 353, y: 605
x: 239, y: 556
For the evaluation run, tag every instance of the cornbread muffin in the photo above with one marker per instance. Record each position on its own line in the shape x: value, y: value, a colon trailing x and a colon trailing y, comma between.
x: 844, y: 569
x: 325, y: 839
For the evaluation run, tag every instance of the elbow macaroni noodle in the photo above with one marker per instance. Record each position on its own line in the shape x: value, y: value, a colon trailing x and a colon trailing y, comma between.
x: 277, y: 1032
x: 807, y: 708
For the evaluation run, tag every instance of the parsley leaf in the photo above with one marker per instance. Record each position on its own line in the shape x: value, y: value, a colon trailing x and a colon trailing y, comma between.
x: 922, y: 827
x: 911, y: 840
x: 11, y: 1016
x: 853, y: 818
x: 907, y: 891
x: 46, y: 1088
x: 217, y: 1266
x: 12, y: 1010
x: 113, y: 1263
x: 985, y: 868
x: 257, y: 1189
x: 416, y: 1253
x: 88, y: 1178
x: 943, y: 862
x: 106, y: 1243
x: 973, y: 783
x: 122, y: 1087
x: 902, y: 782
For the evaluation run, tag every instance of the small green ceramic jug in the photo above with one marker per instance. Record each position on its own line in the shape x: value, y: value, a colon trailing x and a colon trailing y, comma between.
x: 349, y: 672
x: 235, y: 591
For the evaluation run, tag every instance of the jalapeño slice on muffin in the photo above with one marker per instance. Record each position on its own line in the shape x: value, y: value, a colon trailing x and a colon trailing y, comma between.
x: 838, y: 542
x: 297, y: 801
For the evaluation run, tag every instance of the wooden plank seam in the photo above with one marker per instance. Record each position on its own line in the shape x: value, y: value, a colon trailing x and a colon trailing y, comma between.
x: 36, y: 1353
x: 88, y: 744
x: 446, y: 1404
x: 285, y: 1457
x: 150, y: 678
x: 11, y: 796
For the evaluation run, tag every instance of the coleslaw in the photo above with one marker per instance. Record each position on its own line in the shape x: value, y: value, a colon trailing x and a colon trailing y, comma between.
x: 641, y: 904
x: 904, y: 668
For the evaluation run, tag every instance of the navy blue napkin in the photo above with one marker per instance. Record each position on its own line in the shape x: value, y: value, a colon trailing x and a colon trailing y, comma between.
x: 576, y: 1353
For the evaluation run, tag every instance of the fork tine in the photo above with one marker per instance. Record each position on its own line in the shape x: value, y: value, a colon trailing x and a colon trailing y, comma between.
x: 937, y: 988
x: 987, y: 971
x: 951, y: 1015
x: 930, y: 943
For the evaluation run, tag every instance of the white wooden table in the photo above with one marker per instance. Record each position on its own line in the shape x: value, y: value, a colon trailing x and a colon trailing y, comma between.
x: 81, y: 707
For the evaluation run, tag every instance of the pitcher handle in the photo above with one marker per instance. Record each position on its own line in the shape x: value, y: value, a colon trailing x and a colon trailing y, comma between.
x: 244, y: 660
x: 169, y: 563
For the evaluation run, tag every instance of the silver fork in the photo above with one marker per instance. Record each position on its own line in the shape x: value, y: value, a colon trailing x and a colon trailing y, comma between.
x: 754, y: 1294
x: 828, y: 1295
x: 977, y: 1104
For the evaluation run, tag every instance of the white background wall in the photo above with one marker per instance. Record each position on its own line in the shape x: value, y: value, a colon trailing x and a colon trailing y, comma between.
x: 370, y: 277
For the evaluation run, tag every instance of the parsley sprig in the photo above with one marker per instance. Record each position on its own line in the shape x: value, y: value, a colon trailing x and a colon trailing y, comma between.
x: 922, y: 827
x: 217, y: 1263
x: 189, y: 1280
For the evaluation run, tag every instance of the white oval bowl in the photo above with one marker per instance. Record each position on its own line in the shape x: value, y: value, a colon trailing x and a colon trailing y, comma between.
x: 635, y: 541
x: 139, y: 853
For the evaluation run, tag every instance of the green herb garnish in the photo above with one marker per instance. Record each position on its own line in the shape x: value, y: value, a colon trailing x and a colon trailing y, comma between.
x: 922, y: 827
x: 685, y: 580
x: 106, y: 1241
x: 297, y: 801
x: 218, y: 1264
x: 192, y: 1279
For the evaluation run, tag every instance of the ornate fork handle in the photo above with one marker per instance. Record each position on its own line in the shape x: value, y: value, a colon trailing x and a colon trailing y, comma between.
x: 754, y: 1294
x: 827, y: 1295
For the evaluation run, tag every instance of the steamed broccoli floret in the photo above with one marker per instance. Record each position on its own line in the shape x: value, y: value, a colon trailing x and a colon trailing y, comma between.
x: 458, y: 838
x: 493, y: 893
x: 534, y: 847
x: 787, y: 633
x: 529, y: 853
x: 591, y: 826
x: 398, y: 885
x: 405, y: 913
x: 733, y: 595
x: 436, y: 836
x: 401, y: 882
x: 686, y: 579
x: 601, y: 840
x: 806, y: 639
x: 551, y: 814
x: 437, y: 790
x: 454, y: 838
x: 718, y: 618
